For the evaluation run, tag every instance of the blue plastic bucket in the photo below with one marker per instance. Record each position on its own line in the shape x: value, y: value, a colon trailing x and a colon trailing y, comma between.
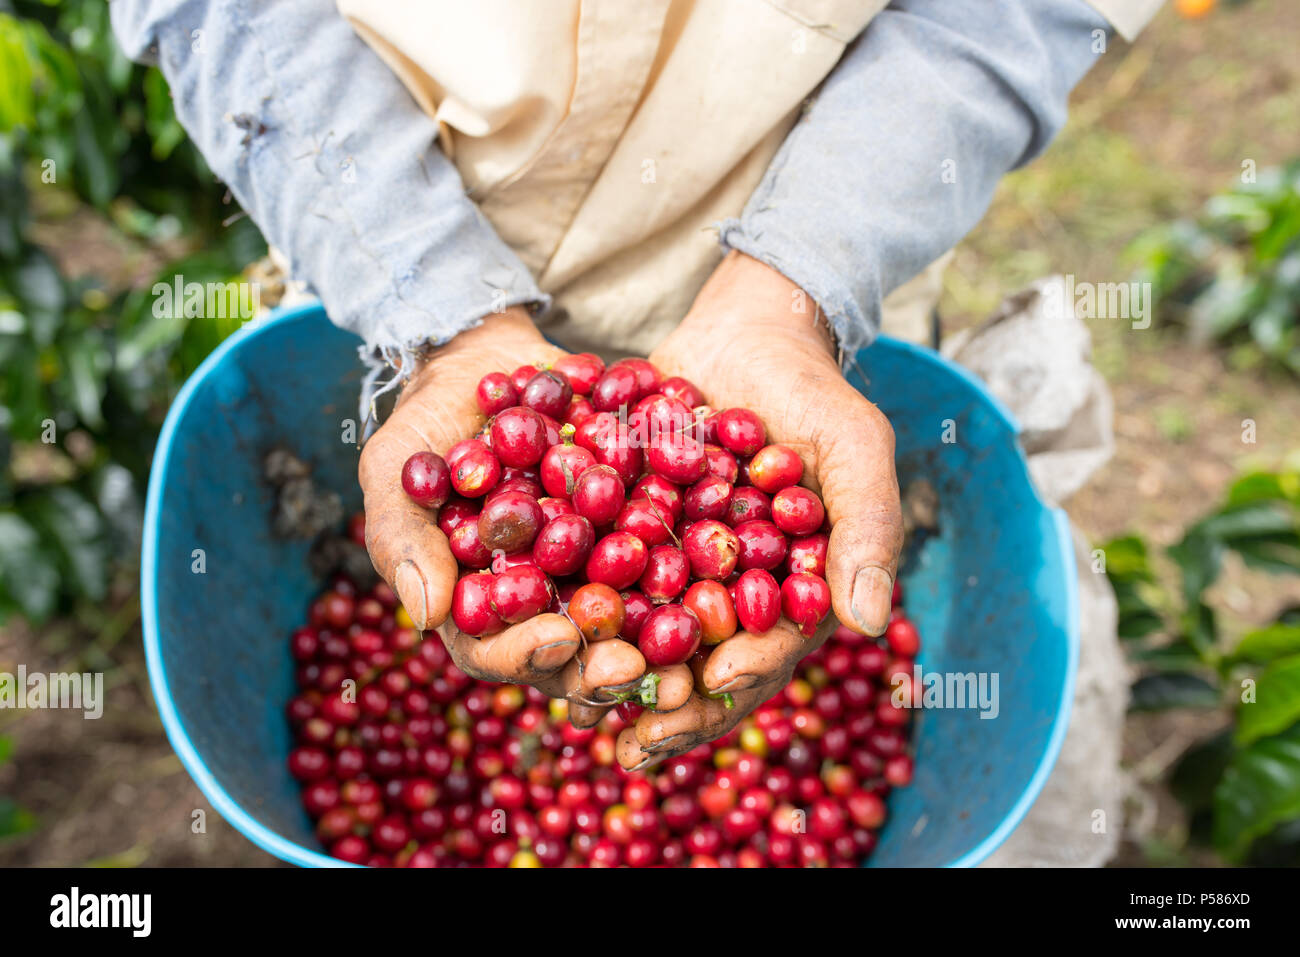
x: 994, y: 592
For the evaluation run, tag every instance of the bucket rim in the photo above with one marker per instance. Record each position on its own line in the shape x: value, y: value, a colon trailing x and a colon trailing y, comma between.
x: 294, y: 853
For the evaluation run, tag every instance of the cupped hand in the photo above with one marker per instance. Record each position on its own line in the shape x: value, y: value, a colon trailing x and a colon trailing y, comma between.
x: 755, y: 340
x: 438, y: 408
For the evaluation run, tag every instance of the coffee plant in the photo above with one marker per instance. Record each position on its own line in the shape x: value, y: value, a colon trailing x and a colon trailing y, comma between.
x: 1241, y: 787
x: 1232, y: 274
x: 89, y: 372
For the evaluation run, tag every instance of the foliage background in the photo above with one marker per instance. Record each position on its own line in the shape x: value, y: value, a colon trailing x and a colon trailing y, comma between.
x: 87, y: 365
x: 101, y: 194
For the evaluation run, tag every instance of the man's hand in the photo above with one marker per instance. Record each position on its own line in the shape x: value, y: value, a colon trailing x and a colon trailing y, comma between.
x: 754, y: 339
x: 437, y: 409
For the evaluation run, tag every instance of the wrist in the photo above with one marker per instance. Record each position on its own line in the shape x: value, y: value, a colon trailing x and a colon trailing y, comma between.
x: 513, y: 325
x: 502, y: 342
x: 746, y: 297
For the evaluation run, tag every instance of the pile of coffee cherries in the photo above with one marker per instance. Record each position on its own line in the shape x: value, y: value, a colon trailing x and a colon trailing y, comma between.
x: 406, y: 761
x: 617, y: 489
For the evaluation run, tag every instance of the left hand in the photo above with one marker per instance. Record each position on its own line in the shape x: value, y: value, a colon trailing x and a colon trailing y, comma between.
x: 438, y: 408
x: 754, y: 339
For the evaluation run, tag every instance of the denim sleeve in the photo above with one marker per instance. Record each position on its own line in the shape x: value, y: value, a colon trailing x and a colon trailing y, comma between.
x: 898, y: 155
x: 329, y: 154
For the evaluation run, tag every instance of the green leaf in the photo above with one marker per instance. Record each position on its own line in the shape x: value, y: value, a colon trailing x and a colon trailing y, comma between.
x: 1276, y: 554
x: 14, y: 820
x: 159, y: 318
x: 29, y: 577
x: 1279, y: 848
x: 1198, y: 772
x: 1269, y: 327
x: 146, y: 327
x: 1265, y: 644
x: 1264, y: 487
x: 1228, y: 303
x: 1200, y: 629
x: 1127, y: 559
x: 1256, y: 520
x: 17, y: 102
x: 24, y: 402
x: 1137, y: 595
x: 1160, y: 692
x: 1199, y: 557
x: 159, y: 117
x: 96, y: 159
x: 86, y: 367
x: 207, y: 331
x: 118, y: 499
x: 1178, y: 655
x: 1260, y: 789
x: 1235, y: 272
x: 1277, y: 701
x: 77, y: 530
x: 36, y: 284
x: 1138, y: 622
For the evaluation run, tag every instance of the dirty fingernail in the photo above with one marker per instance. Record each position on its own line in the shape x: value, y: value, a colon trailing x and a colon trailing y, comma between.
x: 615, y: 691
x: 741, y: 683
x: 549, y: 657
x: 873, y: 589
x: 666, y: 745
x: 409, y: 584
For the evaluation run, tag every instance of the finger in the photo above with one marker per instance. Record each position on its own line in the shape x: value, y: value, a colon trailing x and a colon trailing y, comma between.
x: 563, y: 681
x: 855, y: 468
x: 656, y: 737
x: 627, y: 750
x: 565, y: 685
x: 598, y: 676
x: 585, y: 715
x: 745, y: 660
x: 673, y: 688
x: 526, y: 653
x: 406, y: 546
x: 610, y: 668
x: 700, y: 719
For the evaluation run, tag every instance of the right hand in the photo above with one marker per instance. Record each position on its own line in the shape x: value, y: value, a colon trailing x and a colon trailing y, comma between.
x: 437, y: 409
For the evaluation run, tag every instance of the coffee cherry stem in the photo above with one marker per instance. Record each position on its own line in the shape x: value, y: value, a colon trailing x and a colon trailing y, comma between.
x: 654, y: 507
x: 647, y: 692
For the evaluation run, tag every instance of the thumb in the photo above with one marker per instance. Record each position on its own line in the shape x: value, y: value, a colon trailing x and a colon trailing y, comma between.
x: 860, y: 489
x: 406, y: 546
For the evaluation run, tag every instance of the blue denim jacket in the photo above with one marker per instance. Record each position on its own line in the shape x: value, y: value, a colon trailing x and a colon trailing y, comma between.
x: 894, y: 161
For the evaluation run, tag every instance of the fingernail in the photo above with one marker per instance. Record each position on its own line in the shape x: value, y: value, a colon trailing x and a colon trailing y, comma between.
x: 667, y: 744
x: 409, y: 584
x: 873, y: 589
x: 550, y: 657
x: 740, y: 683
x: 615, y: 691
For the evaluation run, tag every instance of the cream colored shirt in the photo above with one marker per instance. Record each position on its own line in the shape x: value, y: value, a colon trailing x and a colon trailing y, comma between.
x: 587, y: 135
